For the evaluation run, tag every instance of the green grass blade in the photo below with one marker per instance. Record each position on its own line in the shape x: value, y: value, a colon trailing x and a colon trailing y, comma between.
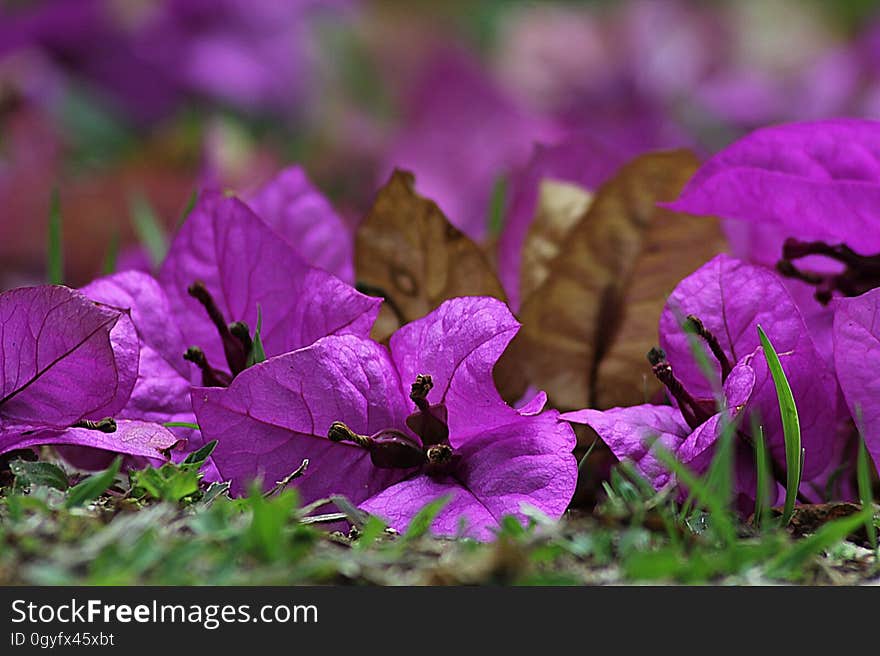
x: 497, y: 205
x: 720, y: 475
x: 791, y: 561
x: 866, y: 496
x: 181, y: 424
x: 92, y: 487
x: 55, y: 255
x: 258, y: 353
x: 714, y: 503
x: 111, y: 257
x: 764, y: 475
x: 148, y: 228
x: 790, y: 426
x: 421, y: 523
x: 190, y: 204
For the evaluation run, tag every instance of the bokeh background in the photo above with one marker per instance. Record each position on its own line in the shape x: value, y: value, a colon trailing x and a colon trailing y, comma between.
x: 127, y: 107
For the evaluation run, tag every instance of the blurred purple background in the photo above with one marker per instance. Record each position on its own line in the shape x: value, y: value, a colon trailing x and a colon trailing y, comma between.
x: 128, y: 106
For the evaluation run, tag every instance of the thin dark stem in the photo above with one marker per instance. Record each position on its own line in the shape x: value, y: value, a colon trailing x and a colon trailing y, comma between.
x: 236, y: 355
x: 714, y: 345
x: 691, y: 410
x: 210, y: 377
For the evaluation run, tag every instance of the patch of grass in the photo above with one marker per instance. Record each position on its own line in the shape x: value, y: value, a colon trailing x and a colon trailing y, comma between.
x: 170, y: 527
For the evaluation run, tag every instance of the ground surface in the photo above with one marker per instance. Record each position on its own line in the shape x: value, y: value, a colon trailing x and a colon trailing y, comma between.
x: 165, y: 528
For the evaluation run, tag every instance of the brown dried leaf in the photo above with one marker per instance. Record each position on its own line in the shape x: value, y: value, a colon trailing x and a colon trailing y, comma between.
x: 407, y: 251
x: 587, y: 327
x: 560, y: 206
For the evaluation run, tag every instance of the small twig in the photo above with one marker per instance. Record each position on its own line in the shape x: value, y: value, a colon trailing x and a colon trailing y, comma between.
x: 355, y: 515
x: 284, y: 482
x: 319, y: 519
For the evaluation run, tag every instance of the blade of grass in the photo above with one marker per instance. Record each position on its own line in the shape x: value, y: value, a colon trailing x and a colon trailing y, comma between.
x: 699, y: 351
x: 720, y: 475
x: 92, y: 487
x: 583, y: 460
x: 717, y: 506
x: 497, y: 205
x: 148, y: 228
x: 55, y: 255
x: 790, y: 426
x: 190, y: 204
x: 791, y: 561
x: 421, y: 523
x: 257, y: 353
x: 866, y: 495
x: 764, y: 476
x: 112, y: 256
x: 181, y: 424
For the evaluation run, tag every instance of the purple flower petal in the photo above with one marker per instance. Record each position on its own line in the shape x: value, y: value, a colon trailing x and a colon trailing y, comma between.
x: 525, y: 463
x: 458, y: 345
x: 464, y: 514
x: 161, y: 393
x: 534, y: 405
x: 731, y: 298
x: 277, y: 413
x: 628, y: 433
x: 64, y: 358
x: 297, y: 211
x: 818, y: 180
x: 245, y: 264
x: 132, y: 438
x: 857, y: 358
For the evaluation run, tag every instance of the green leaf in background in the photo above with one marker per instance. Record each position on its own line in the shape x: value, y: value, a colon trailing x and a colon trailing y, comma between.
x: 93, y: 486
x: 148, y: 228
x: 791, y: 427
x: 38, y: 473
x: 172, y: 482
x: 55, y: 255
x: 257, y: 353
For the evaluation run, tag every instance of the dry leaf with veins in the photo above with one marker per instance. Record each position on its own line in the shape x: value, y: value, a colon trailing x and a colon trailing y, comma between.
x: 409, y: 253
x: 592, y: 315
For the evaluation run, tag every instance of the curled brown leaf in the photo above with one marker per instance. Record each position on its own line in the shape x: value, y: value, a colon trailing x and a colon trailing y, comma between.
x: 588, y: 324
x: 409, y: 253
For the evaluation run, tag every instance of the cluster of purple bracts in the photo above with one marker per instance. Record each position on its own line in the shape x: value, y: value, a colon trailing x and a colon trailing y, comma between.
x: 800, y: 203
x: 392, y: 427
x: 102, y: 370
